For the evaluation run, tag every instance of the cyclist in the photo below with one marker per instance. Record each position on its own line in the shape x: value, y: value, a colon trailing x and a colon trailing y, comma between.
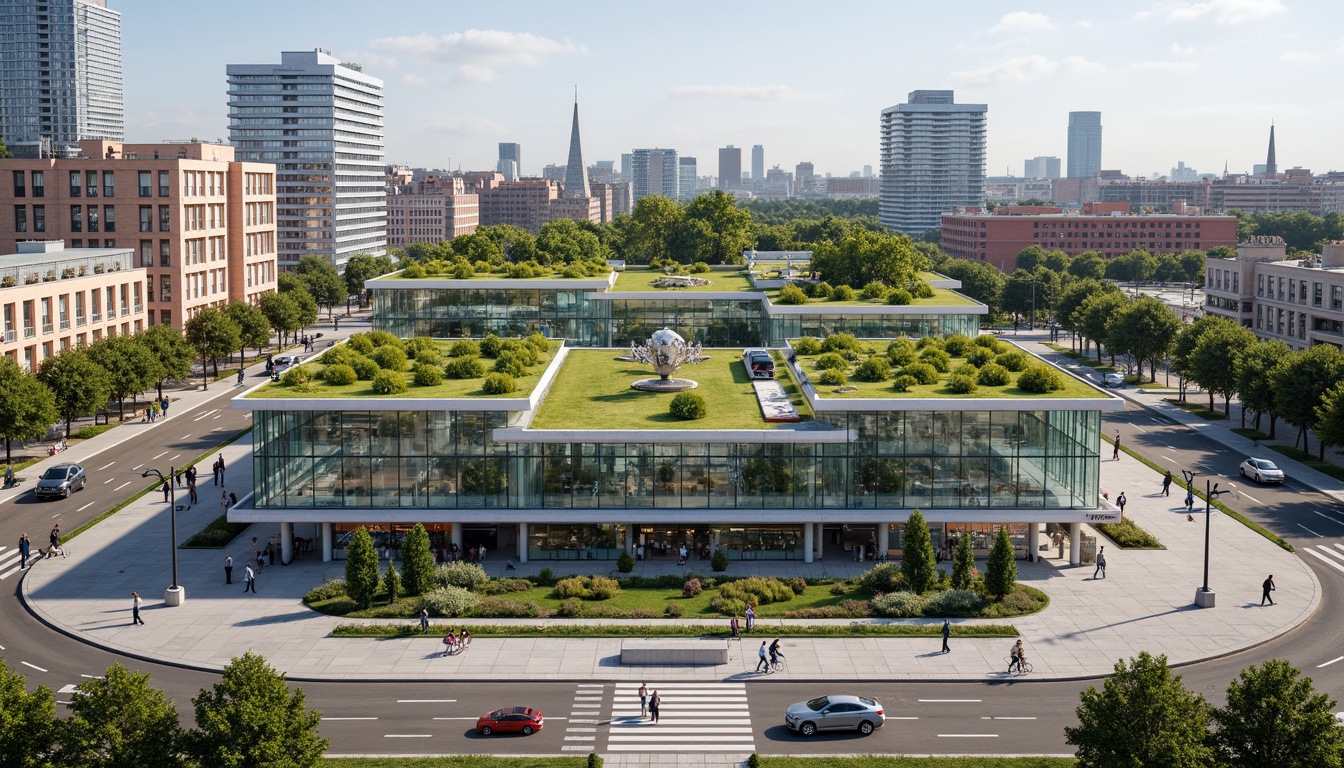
x: 1017, y: 656
x: 775, y: 655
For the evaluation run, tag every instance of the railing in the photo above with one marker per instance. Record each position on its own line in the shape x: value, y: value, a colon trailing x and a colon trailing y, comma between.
x: 47, y: 329
x: 10, y: 336
x: 97, y: 317
x: 65, y: 325
x: 125, y: 311
x: 139, y: 308
x: 29, y: 332
x: 81, y: 321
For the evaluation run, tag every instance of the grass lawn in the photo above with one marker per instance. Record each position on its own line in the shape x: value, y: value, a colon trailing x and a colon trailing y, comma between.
x: 784, y: 375
x: 1198, y: 410
x: 449, y: 388
x: 876, y: 761
x: 1079, y: 357
x: 1251, y: 432
x: 640, y: 279
x: 455, y: 761
x: 674, y: 630
x: 1309, y: 459
x: 592, y: 382
x: 942, y: 297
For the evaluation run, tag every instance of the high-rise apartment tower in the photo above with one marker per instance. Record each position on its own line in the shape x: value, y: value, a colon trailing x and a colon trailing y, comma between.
x: 654, y: 172
x: 758, y: 163
x: 1084, y: 144
x: 933, y: 160
x: 730, y: 167
x: 688, y: 184
x: 510, y: 152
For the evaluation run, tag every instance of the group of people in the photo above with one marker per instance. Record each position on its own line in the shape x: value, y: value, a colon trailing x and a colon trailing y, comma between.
x: 774, y: 655
x: 156, y: 407
x: 453, y: 554
x: 452, y: 642
x: 649, y: 705
x: 26, y: 547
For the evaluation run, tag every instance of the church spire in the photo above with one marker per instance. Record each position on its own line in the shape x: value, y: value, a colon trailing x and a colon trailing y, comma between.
x: 576, y: 173
x: 1271, y: 166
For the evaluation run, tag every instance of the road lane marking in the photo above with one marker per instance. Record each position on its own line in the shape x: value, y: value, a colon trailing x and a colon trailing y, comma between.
x: 1331, y: 552
x: 968, y: 735
x: 1252, y: 498
x: 1328, y: 663
x: 1325, y: 560
x: 161, y: 454
x: 119, y: 487
x: 91, y: 677
x: 325, y: 719
x: 1168, y: 458
x: 739, y: 748
x: 137, y: 467
x: 1007, y: 718
x: 949, y: 701
x: 408, y: 735
x: 86, y: 506
x: 1331, y: 518
x: 34, y: 666
x: 581, y: 738
x: 426, y: 701
x: 902, y: 718
x: 105, y: 466
x: 174, y: 457
x: 1308, y: 530
x: 470, y: 718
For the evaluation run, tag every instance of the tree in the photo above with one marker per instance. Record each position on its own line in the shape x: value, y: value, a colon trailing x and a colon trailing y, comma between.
x: 120, y: 720
x: 212, y: 335
x: 1094, y: 317
x: 1143, y: 716
x: 1274, y: 717
x: 392, y: 583
x: 1144, y: 329
x: 169, y: 350
x: 1183, y: 347
x: 1255, y: 380
x: 1068, y: 310
x: 322, y: 281
x: 1088, y: 264
x: 417, y: 562
x: 1001, y: 570
x: 729, y: 228
x: 249, y: 719
x: 307, y: 308
x: 1137, y: 266
x: 979, y: 281
x: 652, y: 224
x: 963, y: 562
x: 918, y: 565
x: 1330, y: 417
x: 1299, y: 384
x: 27, y: 722
x: 254, y: 330
x: 282, y: 312
x: 80, y: 386
x: 361, y: 268
x: 1214, y: 361
x: 129, y: 365
x: 4, y: 150
x: 1029, y: 258
x: 361, y: 568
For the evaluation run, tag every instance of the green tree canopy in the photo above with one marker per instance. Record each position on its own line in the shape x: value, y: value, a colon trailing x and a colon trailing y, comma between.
x: 652, y: 225
x: 212, y: 335
x: 979, y: 281
x: 80, y: 386
x: 1137, y: 266
x: 120, y: 720
x: 1094, y: 316
x: 963, y: 562
x: 727, y: 227
x: 1275, y: 717
x: 1299, y: 384
x: 918, y: 564
x: 361, y: 568
x: 170, y: 351
x: 863, y: 256
x: 282, y: 312
x: 1145, y: 329
x: 254, y: 330
x: 1183, y: 346
x: 1068, y: 310
x: 28, y: 723
x: 1255, y: 380
x: 1214, y: 361
x: 249, y: 719
x: 1029, y: 258
x: 130, y: 367
x: 1088, y: 264
x: 1330, y: 417
x: 363, y: 267
x: 1001, y: 570
x: 417, y: 562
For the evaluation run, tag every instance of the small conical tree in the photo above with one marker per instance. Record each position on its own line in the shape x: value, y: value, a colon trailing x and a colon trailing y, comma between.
x: 917, y: 560
x: 963, y: 562
x: 391, y: 583
x: 1001, y: 573
x: 417, y: 562
x: 361, y: 568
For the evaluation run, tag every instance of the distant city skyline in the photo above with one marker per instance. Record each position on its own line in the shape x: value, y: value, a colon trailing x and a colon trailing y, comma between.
x: 458, y: 84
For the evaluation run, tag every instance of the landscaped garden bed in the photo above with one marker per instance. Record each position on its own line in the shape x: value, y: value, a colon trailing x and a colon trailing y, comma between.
x: 853, y: 629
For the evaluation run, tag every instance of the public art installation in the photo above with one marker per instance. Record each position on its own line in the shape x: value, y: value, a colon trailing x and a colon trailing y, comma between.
x: 666, y: 351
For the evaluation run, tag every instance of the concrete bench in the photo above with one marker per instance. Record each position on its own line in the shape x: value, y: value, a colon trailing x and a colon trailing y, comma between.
x: 673, y: 652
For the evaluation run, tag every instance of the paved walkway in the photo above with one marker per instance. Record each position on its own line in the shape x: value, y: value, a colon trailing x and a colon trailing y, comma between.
x: 1144, y: 604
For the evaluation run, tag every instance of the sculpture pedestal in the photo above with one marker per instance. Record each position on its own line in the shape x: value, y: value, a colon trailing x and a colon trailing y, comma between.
x: 663, y: 385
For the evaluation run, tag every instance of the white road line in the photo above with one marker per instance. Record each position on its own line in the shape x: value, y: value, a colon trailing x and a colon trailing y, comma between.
x: 408, y: 735
x: 1332, y: 661
x: 112, y: 479
x: 86, y: 506
x: 1141, y: 429
x: 426, y: 701
x: 741, y: 748
x: 105, y: 466
x: 616, y: 738
x: 91, y: 677
x: 327, y: 719
x: 1168, y: 458
x: 587, y: 698
x: 1325, y: 560
x: 174, y: 457
x: 184, y: 437
x: 463, y: 718
x: 1008, y: 718
x: 580, y: 738
x: 34, y: 666
x: 902, y: 718
x: 572, y: 719
x: 1327, y: 517
x: 1330, y: 552
x: 968, y: 735
x: 161, y: 454
x: 592, y: 685
x: 1308, y: 530
x: 628, y: 721
x: 572, y: 729
x: 1340, y: 546
x: 1252, y: 498
x: 573, y: 748
x: 7, y: 574
x: 660, y: 729
x: 949, y: 701
x: 119, y: 487
x: 137, y: 467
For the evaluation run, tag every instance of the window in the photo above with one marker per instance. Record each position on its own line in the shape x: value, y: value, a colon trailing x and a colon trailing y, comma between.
x: 165, y: 253
x: 165, y: 289
x: 109, y: 187
x: 165, y: 317
x: 146, y: 218
x: 1259, y: 285
x: 149, y: 289
x: 93, y: 218
x: 144, y: 184
x: 39, y: 218
x: 165, y: 218
x: 109, y: 218
x: 76, y: 219
x: 1337, y: 297
x: 20, y: 218
x: 20, y: 189
x: 76, y: 181
x: 163, y: 183
x: 1302, y: 292
x: 1316, y: 294
x: 91, y: 181
x: 39, y: 184
x: 146, y: 253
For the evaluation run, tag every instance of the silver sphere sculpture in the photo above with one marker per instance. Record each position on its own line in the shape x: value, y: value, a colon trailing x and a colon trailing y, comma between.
x: 666, y: 351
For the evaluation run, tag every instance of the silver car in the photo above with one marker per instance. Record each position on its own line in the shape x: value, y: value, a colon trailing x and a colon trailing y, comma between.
x: 1263, y: 470
x: 835, y: 712
x: 61, y: 480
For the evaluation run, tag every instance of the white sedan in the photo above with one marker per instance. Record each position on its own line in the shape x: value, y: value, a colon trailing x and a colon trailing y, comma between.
x: 1262, y: 471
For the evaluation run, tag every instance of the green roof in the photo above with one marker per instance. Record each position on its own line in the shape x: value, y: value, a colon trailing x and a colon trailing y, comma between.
x: 401, y: 275
x: 941, y: 297
x: 641, y: 279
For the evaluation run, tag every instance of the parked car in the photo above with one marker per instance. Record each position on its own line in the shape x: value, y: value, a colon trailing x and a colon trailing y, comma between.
x: 61, y: 480
x: 835, y: 712
x: 524, y: 720
x: 1263, y: 470
x: 1114, y: 380
x: 759, y: 364
x: 281, y: 362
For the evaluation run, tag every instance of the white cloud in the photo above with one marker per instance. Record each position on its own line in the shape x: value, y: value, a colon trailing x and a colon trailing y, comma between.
x: 1022, y: 21
x: 1082, y: 24
x: 1023, y: 68
x: 369, y: 59
x: 1154, y: 66
x: 743, y: 92
x: 1227, y: 11
x: 458, y: 125
x: 1300, y: 57
x: 478, y: 53
x: 1178, y: 50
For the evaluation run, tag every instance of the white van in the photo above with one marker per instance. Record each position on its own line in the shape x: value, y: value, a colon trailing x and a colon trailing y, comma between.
x: 759, y: 364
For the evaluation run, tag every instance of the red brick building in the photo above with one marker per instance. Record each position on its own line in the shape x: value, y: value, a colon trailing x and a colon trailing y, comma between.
x: 1106, y: 228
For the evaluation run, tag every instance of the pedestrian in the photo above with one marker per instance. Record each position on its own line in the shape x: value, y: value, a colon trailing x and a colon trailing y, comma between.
x: 24, y: 549
x: 224, y: 501
x: 762, y: 665
x: 464, y: 639
x: 164, y: 405
x: 1189, y: 501
x: 947, y: 633
x: 1115, y: 454
x: 639, y: 552
x: 736, y: 628
x: 55, y: 539
x: 191, y: 490
x: 655, y: 704
x: 1267, y: 587
x: 167, y: 489
x: 233, y: 500
x: 135, y: 609
x: 1015, y: 656
x: 1121, y: 501
x: 1101, y: 564
x: 751, y: 617
x: 250, y: 579
x: 775, y: 653
x: 1166, y: 483
x: 228, y: 569
x: 449, y: 643
x: 424, y: 620
x: 480, y: 554
x: 221, y: 469
x: 191, y: 473
x: 180, y: 479
x: 643, y: 699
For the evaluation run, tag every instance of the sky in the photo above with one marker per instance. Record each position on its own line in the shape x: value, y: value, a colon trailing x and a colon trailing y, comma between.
x: 1198, y: 81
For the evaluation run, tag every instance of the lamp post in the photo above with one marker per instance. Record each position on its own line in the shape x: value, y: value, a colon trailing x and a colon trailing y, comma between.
x: 175, y: 594
x: 1204, y: 596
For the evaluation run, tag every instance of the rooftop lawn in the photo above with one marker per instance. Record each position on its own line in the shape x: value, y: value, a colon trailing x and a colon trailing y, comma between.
x: 449, y: 388
x: 639, y: 279
x: 941, y: 297
x: 401, y: 275
x: 593, y: 391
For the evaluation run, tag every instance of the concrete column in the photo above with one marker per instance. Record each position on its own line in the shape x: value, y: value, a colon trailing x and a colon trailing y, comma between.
x: 286, y: 542
x: 1075, y: 543
x: 1033, y: 539
x: 456, y: 536
x: 808, y: 536
x: 522, y: 542
x: 630, y: 539
x: 326, y: 542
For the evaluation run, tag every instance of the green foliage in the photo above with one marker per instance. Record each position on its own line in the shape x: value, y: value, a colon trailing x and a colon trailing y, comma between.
x: 791, y: 294
x: 449, y: 601
x: 922, y: 373
x: 917, y: 561
x: 979, y: 356
x: 957, y: 345
x: 365, y: 368
x: 901, y: 351
x: 963, y: 603
x: 361, y: 343
x: 417, y: 562
x: 961, y: 384
x: 588, y: 587
x: 993, y: 375
x: 1301, y: 380
x: 688, y: 406
x: 719, y: 561
x: 806, y: 346
x: 28, y: 723
x: 963, y: 563
x: 873, y: 369
x: 427, y: 375
x: 625, y: 563
x: 80, y: 387
x: 1127, y: 534
x: 1001, y: 571
x: 1144, y: 328
x: 1143, y: 716
x: 490, y: 345
x: 820, y: 290
x: 1015, y: 362
x: 938, y: 358
x: 389, y: 383
x: 831, y: 361
x: 464, y: 368
x: 339, y: 375
x: 172, y: 355
x: 510, y: 363
x: 392, y: 583
x: 755, y: 590
x: 464, y: 348
x: 499, y: 384
x: 900, y: 297
x: 390, y: 358
x: 429, y: 358
x: 298, y: 378
x: 130, y: 365
x: 1039, y: 379
x: 875, y: 290
x: 545, y: 577
x: 903, y: 383
x: 382, y: 339
x: 1274, y: 717
x: 899, y: 605
x: 884, y: 577
x: 921, y: 289
x: 504, y: 585
x: 461, y: 574
x: 327, y: 590
x: 841, y: 342
x: 798, y: 585
x: 1255, y: 368
x: 361, y: 568
x: 250, y: 718
x: 674, y: 611
x: 832, y: 377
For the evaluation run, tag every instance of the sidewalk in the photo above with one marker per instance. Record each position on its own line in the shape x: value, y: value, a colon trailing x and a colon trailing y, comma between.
x: 1145, y: 604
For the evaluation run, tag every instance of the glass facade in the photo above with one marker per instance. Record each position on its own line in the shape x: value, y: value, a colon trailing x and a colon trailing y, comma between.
x: 784, y: 327
x: 447, y: 314
x: 713, y: 323
x: 897, y: 460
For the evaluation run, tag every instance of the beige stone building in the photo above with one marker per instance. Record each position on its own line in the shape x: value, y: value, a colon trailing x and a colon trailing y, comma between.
x: 201, y: 225
x: 430, y: 211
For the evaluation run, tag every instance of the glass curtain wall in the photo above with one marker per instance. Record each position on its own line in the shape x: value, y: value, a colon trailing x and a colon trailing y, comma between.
x: 474, y: 313
x: 718, y: 323
x: 784, y: 327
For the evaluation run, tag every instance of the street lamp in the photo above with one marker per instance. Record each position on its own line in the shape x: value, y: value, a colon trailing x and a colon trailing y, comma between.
x: 175, y: 594
x: 1204, y: 597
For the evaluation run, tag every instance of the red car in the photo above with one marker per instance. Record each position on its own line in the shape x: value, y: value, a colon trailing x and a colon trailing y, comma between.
x: 524, y: 720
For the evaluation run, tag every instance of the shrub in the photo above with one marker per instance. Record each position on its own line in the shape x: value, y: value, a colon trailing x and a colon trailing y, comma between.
x: 360, y: 343
x: 993, y: 375
x: 966, y: 369
x: 1039, y: 379
x: 873, y: 369
x: 841, y: 342
x: 929, y: 341
x: 899, y: 605
x: 365, y: 368
x: 449, y: 601
x: 510, y: 363
x: 839, y: 587
x: 385, y: 339
x: 521, y: 349
x: 921, y: 289
x: 699, y: 267
x: 846, y: 609
x: 799, y: 585
x: 327, y: 590
x: 588, y: 587
x: 957, y: 345
x: 832, y: 378
x: 499, y: 384
x: 807, y: 346
x: 979, y: 356
x: 460, y: 574
x: 719, y: 562
x: 339, y: 375
x: 298, y: 378
x: 1001, y: 571
x: 625, y: 563
x: 464, y: 368
x: 503, y: 585
x: 688, y: 406
x: 464, y: 348
x: 490, y: 345
x: 674, y: 611
x: 502, y: 608
x: 791, y: 294
x: 955, y: 602
x: 571, y: 608
x: 1013, y: 361
x: 900, y: 297
x: 757, y: 590
x: 727, y: 606
x: 389, y: 382
x: 691, y: 588
x: 1127, y: 533
x: 842, y: 293
x: 883, y: 578
x: 875, y: 290
x: 986, y: 341
x: 904, y: 383
x: 831, y: 361
x: 428, y: 358
x: 820, y: 290
x: 901, y: 352
x: 428, y: 375
x: 538, y: 341
x: 939, y: 359
x: 922, y: 373
x: 545, y: 577
x: 961, y: 384
x: 420, y: 345
x: 462, y: 270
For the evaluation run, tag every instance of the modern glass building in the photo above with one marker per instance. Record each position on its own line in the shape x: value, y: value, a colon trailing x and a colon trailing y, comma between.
x: 933, y: 160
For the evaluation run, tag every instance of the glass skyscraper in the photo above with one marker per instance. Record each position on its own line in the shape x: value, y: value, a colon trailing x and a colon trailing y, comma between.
x: 1084, y: 144
x: 933, y: 160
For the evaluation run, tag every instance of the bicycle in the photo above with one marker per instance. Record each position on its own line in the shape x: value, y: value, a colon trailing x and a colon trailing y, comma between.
x: 1019, y: 668
x: 777, y: 664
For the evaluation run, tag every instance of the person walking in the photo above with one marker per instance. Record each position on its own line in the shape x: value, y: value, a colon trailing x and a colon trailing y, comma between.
x: 167, y: 489
x: 250, y: 579
x: 1115, y: 454
x: 763, y: 664
x: 775, y: 653
x: 947, y: 633
x: 1101, y: 564
x: 480, y: 554
x: 643, y: 699
x: 655, y: 704
x: 135, y: 609
x: 751, y: 617
x: 424, y: 620
x: 24, y: 548
x: 1121, y: 501
x: 228, y: 569
x: 735, y: 626
x: 449, y: 643
x: 224, y: 501
x: 163, y: 405
x: 55, y: 539
x: 1266, y: 588
x: 191, y: 489
x: 1166, y: 483
x: 1189, y: 501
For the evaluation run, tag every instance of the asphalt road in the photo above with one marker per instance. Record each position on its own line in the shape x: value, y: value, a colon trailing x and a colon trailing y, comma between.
x: 1017, y: 716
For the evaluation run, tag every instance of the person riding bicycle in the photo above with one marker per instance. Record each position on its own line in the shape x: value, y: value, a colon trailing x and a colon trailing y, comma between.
x: 775, y: 655
x: 9, y: 475
x: 240, y: 376
x: 1016, y: 654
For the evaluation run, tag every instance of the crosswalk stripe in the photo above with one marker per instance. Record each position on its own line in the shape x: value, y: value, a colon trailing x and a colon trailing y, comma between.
x: 1325, y: 560
x: 624, y: 687
x: 715, y: 700
x: 673, y: 729
x: 744, y: 748
x: 707, y: 709
x: 634, y: 720
x: 627, y: 738
x: 1331, y: 552
x: 10, y: 572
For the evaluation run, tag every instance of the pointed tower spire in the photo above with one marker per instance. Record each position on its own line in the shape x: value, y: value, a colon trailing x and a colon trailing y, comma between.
x: 1271, y: 166
x: 576, y: 173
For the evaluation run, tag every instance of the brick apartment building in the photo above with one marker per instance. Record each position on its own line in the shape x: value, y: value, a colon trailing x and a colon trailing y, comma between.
x: 200, y: 224
x: 430, y: 211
